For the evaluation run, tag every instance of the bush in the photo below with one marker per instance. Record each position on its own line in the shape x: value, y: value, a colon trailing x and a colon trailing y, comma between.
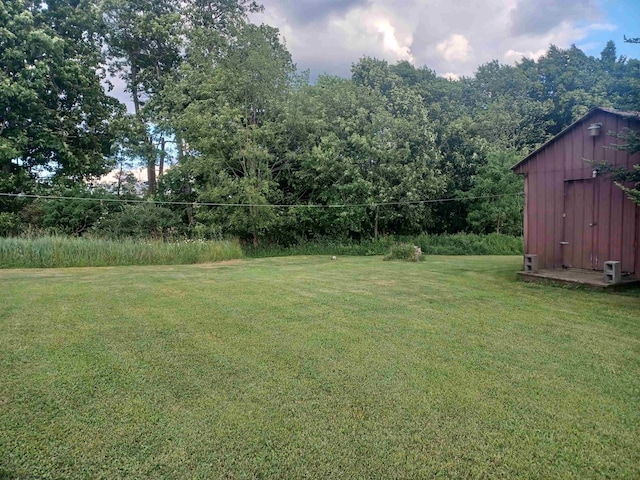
x: 9, y: 224
x: 140, y: 220
x: 405, y: 252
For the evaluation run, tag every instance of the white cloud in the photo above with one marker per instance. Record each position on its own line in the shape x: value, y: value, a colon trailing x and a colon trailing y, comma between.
x: 512, y: 56
x: 391, y: 43
x: 605, y: 27
x: 331, y: 46
x: 456, y: 48
x: 446, y: 36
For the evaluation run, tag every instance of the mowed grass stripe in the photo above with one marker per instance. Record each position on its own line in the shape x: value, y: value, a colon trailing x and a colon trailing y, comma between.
x: 307, y: 367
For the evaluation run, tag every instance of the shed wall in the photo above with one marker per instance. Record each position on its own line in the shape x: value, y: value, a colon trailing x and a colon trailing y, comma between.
x: 571, y: 218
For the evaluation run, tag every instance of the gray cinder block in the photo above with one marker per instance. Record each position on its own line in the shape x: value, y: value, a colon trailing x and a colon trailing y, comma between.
x: 612, y: 272
x: 531, y: 263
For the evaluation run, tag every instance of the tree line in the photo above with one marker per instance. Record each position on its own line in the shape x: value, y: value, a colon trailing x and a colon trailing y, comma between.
x: 221, y: 100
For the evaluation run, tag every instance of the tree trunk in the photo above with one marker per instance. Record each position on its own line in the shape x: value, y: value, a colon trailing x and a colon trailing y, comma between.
x: 151, y: 161
x: 187, y: 183
x: 252, y: 216
x: 151, y: 173
x: 187, y: 191
x: 163, y: 152
x: 134, y: 86
x: 375, y: 228
x: 120, y: 173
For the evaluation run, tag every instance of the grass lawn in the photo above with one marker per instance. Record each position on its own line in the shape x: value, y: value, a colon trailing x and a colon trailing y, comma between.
x: 307, y: 367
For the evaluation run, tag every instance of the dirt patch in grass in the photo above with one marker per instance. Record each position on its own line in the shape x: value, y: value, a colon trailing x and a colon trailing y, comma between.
x: 223, y: 263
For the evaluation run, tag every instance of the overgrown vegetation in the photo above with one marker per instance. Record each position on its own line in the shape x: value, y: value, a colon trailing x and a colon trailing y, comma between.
x: 313, y: 368
x: 63, y: 251
x: 56, y: 252
x: 221, y: 99
x: 459, y: 244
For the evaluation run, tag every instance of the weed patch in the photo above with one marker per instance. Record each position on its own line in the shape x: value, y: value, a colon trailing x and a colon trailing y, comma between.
x: 56, y: 252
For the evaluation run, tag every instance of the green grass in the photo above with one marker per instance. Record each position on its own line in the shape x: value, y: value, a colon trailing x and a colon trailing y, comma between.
x: 457, y: 244
x: 305, y: 367
x: 56, y: 252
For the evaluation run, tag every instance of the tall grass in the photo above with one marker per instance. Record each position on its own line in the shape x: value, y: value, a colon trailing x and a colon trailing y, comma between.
x: 54, y: 252
x: 470, y: 244
x: 59, y: 251
x: 458, y: 244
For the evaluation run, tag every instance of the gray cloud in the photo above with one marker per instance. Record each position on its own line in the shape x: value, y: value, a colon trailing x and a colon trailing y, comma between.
x: 304, y: 12
x: 450, y: 37
x: 540, y: 16
x: 117, y: 90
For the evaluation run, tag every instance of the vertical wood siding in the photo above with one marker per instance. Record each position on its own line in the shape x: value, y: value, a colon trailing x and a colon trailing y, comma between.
x: 564, y: 203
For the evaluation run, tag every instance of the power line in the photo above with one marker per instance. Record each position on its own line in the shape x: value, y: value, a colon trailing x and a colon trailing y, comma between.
x: 215, y: 204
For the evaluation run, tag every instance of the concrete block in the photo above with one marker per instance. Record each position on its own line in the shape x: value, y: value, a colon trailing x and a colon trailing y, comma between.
x: 531, y: 263
x: 612, y: 272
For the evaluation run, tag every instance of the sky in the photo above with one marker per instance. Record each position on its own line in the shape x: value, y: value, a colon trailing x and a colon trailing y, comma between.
x: 452, y: 37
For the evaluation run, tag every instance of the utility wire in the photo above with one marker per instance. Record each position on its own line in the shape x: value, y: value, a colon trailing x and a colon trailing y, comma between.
x: 215, y: 204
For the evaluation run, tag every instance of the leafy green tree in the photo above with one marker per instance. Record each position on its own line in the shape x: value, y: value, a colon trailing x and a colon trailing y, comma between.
x: 143, y: 44
x: 631, y: 139
x: 505, y: 111
x: 176, y: 185
x: 146, y: 41
x: 10, y: 224
x: 71, y: 216
x: 632, y: 144
x: 370, y: 146
x: 55, y: 116
x: 232, y: 123
x: 141, y: 220
x: 220, y: 16
x: 449, y: 106
x: 496, y: 196
x: 575, y: 82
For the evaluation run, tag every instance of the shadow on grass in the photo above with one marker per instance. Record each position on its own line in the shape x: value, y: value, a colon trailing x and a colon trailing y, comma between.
x: 6, y: 475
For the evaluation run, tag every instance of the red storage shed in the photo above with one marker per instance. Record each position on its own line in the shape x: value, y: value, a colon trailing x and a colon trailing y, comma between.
x: 575, y: 217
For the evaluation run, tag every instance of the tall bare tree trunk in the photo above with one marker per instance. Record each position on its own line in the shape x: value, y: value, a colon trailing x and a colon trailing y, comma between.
x: 163, y: 152
x: 151, y: 161
x: 151, y: 169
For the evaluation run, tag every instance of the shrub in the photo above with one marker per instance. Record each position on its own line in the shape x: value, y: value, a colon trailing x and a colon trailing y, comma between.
x: 9, y: 224
x: 140, y: 220
x: 404, y: 251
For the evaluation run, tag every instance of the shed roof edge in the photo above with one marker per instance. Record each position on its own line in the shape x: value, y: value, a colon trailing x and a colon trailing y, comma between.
x: 619, y: 113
